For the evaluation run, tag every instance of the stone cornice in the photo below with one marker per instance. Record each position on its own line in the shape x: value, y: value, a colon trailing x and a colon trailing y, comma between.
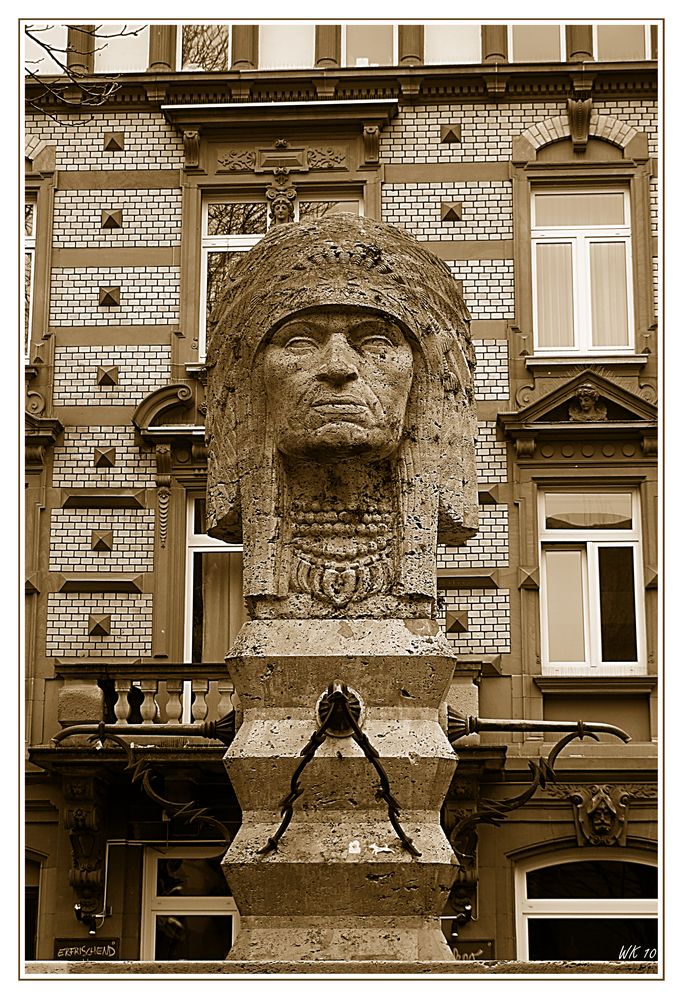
x: 418, y: 84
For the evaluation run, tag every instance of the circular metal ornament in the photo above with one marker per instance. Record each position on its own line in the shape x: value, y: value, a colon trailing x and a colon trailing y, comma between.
x: 331, y: 700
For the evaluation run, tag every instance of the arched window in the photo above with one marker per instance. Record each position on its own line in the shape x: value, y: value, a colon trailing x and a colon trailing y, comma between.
x: 595, y: 906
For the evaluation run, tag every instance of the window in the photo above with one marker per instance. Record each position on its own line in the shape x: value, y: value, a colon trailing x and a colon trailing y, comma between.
x: 536, y: 43
x: 29, y: 266
x: 582, y: 271
x: 286, y: 46
x: 121, y: 48
x: 32, y: 870
x: 621, y: 42
x: 215, y: 608
x: 45, y: 48
x: 187, y: 910
x: 452, y: 43
x: 231, y: 227
x: 591, y: 583
x: 204, y: 47
x: 593, y: 909
x: 369, y: 44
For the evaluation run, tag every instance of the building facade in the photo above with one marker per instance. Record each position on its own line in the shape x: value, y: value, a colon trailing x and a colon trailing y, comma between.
x: 525, y: 156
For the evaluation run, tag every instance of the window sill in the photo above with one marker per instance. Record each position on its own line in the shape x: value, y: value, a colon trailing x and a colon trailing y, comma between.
x: 573, y: 360
x: 596, y: 684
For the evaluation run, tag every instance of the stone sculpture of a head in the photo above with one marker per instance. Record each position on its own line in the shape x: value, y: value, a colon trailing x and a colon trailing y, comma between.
x: 340, y: 420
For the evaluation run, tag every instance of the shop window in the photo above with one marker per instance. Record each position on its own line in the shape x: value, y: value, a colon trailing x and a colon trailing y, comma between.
x: 29, y: 266
x: 121, y: 48
x: 582, y: 271
x: 452, y: 43
x: 591, y: 583
x: 369, y: 44
x: 621, y: 42
x: 597, y: 908
x: 536, y: 43
x: 188, y: 913
x: 286, y: 46
x: 204, y: 47
x: 231, y: 227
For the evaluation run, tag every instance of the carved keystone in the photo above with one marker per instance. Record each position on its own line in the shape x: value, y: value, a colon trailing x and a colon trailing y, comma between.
x: 451, y: 133
x: 99, y: 625
x: 110, y: 295
x: 456, y: 622
x: 102, y: 541
x: 451, y: 211
x: 108, y: 375
x: 112, y: 218
x: 114, y: 142
x: 104, y: 457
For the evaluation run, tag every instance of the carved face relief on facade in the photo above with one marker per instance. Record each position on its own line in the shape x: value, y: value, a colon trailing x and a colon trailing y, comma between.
x: 337, y: 384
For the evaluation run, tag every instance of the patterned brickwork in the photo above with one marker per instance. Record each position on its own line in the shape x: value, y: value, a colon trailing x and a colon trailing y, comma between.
x: 486, y: 209
x: 654, y: 204
x: 132, y: 541
x: 640, y: 115
x: 73, y: 460
x: 491, y: 373
x: 488, y: 287
x: 488, y: 621
x: 141, y: 370
x: 487, y: 131
x: 151, y: 142
x: 489, y: 548
x: 491, y: 455
x: 149, y: 218
x: 655, y: 284
x: 148, y: 295
x: 67, y: 625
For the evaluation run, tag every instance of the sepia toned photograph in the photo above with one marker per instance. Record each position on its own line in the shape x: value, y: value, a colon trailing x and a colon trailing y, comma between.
x: 341, y: 636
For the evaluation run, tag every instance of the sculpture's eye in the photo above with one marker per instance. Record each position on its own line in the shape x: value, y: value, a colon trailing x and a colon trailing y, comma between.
x: 300, y: 343
x: 375, y: 343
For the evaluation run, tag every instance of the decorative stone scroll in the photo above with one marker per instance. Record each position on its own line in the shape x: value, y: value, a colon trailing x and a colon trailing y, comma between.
x: 340, y: 420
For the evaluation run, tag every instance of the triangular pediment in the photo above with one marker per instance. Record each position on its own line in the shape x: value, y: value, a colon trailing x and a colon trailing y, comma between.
x: 588, y: 399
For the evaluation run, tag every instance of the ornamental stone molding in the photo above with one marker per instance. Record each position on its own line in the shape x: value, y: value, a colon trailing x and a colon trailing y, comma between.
x: 574, y: 126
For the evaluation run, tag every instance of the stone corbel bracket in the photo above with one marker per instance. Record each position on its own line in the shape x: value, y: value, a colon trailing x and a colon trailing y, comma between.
x: 579, y: 113
x: 83, y: 808
x: 163, y: 481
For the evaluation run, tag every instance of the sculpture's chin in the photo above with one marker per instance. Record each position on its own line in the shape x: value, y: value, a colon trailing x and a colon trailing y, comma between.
x: 339, y: 441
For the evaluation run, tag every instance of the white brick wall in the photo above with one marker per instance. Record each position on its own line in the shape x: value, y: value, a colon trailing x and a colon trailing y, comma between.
x: 640, y: 114
x: 488, y: 621
x: 132, y: 541
x: 654, y: 203
x: 488, y: 287
x: 151, y: 142
x: 142, y: 369
x: 150, y: 218
x: 489, y: 548
x: 149, y: 295
x: 486, y: 209
x: 491, y: 455
x: 73, y: 460
x: 67, y: 625
x: 492, y: 371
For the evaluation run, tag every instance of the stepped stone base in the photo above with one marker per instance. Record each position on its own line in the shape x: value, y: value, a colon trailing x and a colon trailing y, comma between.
x: 207, y: 969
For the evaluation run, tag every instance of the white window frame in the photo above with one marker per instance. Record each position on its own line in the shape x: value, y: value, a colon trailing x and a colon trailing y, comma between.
x: 154, y: 905
x: 394, y: 43
x: 588, y: 540
x: 580, y: 238
x: 648, y: 38
x: 575, y: 908
x: 562, y: 25
x: 30, y: 248
x: 239, y: 243
x: 179, y: 46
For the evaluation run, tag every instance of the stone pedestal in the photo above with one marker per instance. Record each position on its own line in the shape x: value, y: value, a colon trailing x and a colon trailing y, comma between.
x: 340, y: 885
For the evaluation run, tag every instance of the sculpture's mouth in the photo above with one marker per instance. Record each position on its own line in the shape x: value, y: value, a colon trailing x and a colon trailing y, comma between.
x: 341, y: 407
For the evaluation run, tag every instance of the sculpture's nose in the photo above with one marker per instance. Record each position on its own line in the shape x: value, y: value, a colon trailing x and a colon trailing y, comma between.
x: 338, y: 361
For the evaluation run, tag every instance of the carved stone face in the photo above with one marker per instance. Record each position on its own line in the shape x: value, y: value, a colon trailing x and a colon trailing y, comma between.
x: 337, y: 384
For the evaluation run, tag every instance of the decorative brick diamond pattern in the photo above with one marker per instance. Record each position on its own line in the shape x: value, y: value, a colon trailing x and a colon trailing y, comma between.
x: 69, y: 619
x: 149, y: 218
x: 485, y: 209
x: 488, y: 621
x: 149, y: 295
x: 491, y: 455
x: 73, y: 460
x: 141, y: 370
x: 488, y: 287
x: 488, y: 549
x: 132, y: 541
x: 491, y: 376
